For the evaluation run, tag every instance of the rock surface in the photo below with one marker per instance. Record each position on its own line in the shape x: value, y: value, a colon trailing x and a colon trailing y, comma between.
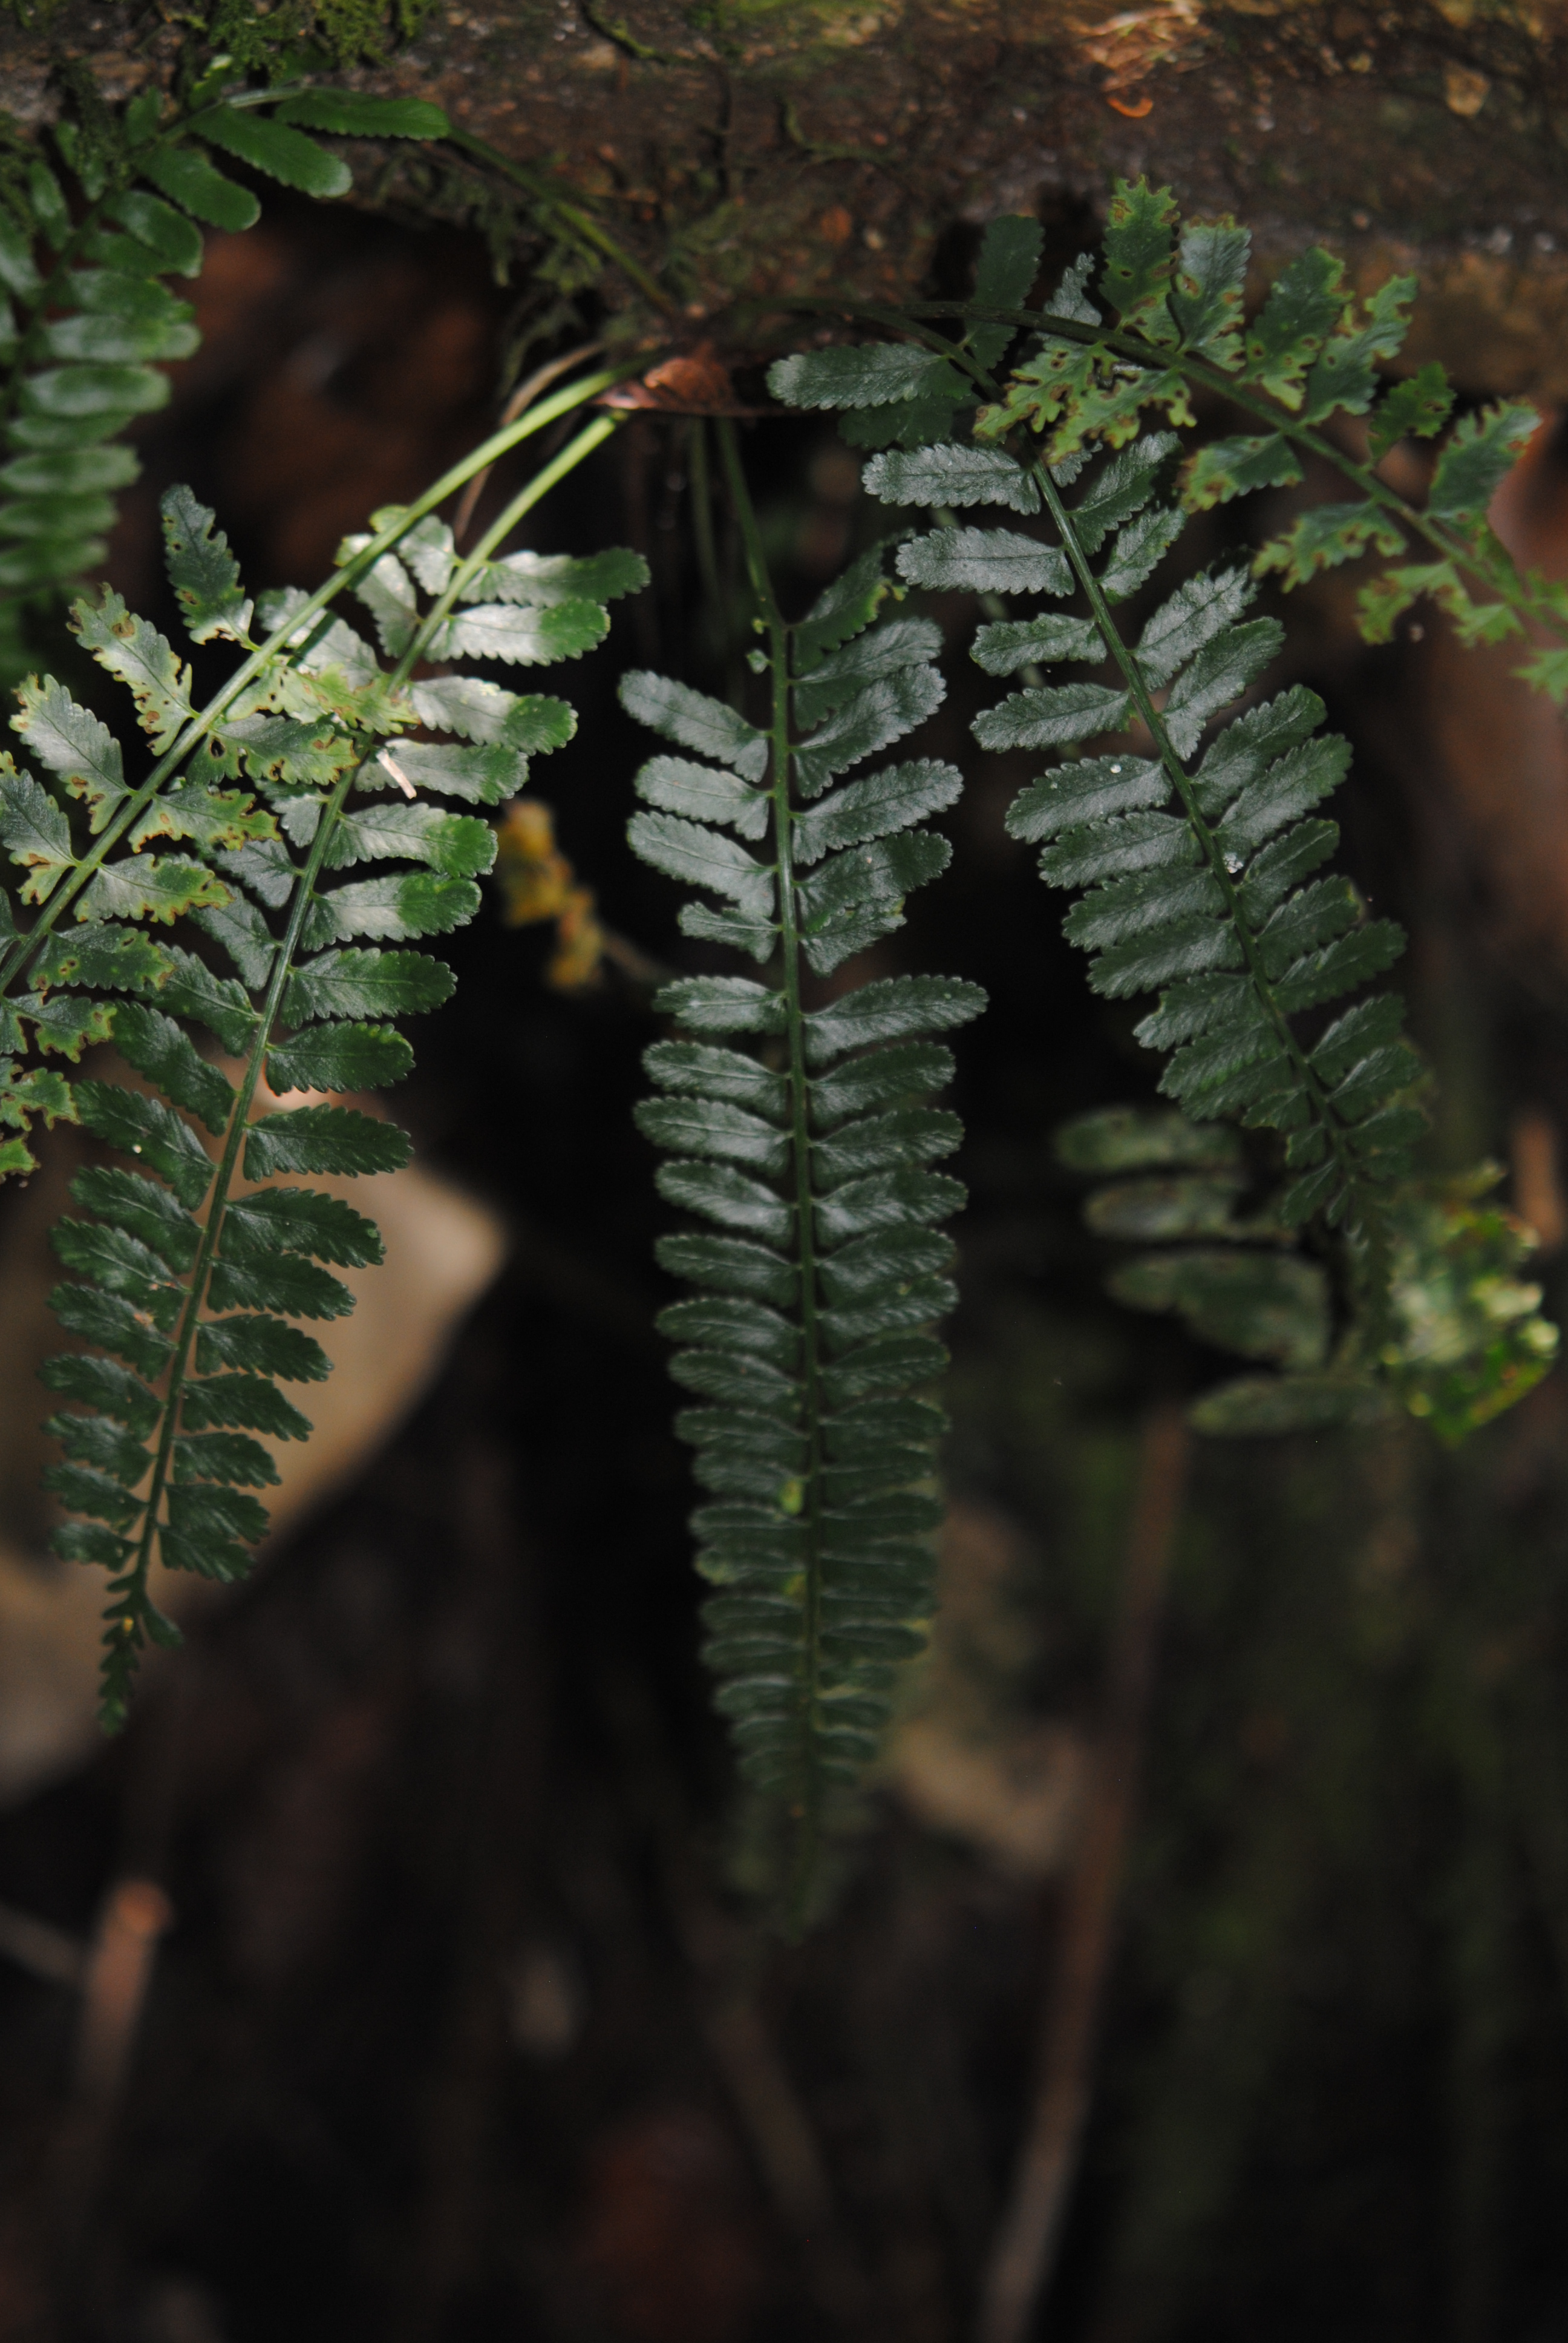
x: 749, y: 148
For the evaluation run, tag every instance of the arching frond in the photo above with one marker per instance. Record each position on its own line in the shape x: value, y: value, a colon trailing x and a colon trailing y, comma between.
x: 319, y: 849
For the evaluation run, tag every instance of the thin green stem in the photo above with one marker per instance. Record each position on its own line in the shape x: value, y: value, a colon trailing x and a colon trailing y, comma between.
x: 807, y: 1814
x: 593, y: 436
x: 581, y: 222
x: 21, y: 951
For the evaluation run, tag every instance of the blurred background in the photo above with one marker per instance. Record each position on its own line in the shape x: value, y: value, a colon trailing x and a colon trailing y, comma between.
x: 393, y: 1976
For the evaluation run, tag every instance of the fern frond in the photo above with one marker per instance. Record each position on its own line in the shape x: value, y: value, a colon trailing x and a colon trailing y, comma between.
x: 189, y: 1273
x: 1195, y: 842
x: 89, y: 320
x: 822, y: 1267
x: 1461, y: 1336
x: 1157, y: 314
x: 1198, y: 866
x: 277, y: 721
x: 1188, y: 819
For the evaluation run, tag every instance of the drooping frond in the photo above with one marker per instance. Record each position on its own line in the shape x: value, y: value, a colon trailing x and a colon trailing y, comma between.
x: 1183, y: 812
x: 85, y: 321
x: 1193, y: 848
x: 809, y: 1156
x: 1158, y: 311
x: 318, y: 844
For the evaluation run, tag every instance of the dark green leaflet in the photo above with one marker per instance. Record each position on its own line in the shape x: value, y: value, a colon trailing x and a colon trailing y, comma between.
x: 186, y: 1286
x: 822, y: 1267
x: 88, y: 320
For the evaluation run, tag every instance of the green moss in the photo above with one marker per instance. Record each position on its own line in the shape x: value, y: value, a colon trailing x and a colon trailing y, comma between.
x: 336, y: 31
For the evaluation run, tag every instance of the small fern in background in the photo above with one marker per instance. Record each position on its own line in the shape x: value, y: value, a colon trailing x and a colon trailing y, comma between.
x: 188, y: 1276
x: 809, y: 1340
x: 1461, y: 1333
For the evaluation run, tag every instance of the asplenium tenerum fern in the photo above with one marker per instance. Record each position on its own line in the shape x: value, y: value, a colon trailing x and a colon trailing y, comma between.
x: 1198, y: 861
x: 809, y: 1154
x: 1167, y: 321
x: 83, y: 317
x: 75, y: 879
x: 189, y: 1287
